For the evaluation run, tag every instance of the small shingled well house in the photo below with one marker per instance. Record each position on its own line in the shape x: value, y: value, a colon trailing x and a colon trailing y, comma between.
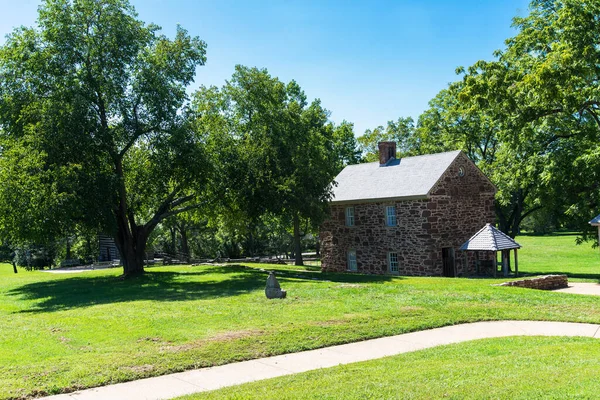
x: 407, y: 216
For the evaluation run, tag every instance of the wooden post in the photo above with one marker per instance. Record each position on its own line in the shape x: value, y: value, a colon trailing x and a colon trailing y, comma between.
x: 495, y: 263
x: 505, y: 262
x: 516, y: 264
x: 476, y: 261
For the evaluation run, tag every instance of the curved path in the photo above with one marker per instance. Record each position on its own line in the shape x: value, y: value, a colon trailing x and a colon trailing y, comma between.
x: 174, y: 385
x: 592, y: 289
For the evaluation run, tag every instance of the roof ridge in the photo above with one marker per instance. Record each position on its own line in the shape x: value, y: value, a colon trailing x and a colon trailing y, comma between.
x: 493, y: 236
x: 403, y: 158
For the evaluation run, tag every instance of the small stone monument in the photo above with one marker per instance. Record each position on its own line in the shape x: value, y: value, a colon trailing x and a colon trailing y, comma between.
x: 273, y: 290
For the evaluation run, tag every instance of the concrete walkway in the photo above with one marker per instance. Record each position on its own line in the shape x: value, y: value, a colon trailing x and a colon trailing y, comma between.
x: 174, y: 385
x: 592, y: 289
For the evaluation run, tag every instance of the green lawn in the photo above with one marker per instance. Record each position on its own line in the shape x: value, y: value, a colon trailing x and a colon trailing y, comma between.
x: 558, y: 253
x: 65, y: 332
x: 507, y: 368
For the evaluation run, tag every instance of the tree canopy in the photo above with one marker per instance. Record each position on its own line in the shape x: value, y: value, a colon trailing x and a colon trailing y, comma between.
x: 92, y: 127
x: 279, y: 151
x: 529, y: 118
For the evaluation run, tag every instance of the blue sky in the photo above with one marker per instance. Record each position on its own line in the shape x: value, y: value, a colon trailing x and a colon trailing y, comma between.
x: 369, y: 62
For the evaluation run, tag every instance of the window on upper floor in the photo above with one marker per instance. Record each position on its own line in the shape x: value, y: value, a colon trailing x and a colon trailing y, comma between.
x: 349, y: 216
x: 390, y: 215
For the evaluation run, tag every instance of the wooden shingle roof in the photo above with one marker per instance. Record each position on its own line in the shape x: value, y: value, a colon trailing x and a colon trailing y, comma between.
x: 490, y: 239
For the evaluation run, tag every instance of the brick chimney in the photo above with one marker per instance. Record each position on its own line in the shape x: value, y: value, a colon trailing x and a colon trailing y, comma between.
x: 387, y: 151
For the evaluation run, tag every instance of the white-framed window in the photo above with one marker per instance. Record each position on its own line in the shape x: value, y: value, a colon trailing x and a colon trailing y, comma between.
x: 349, y: 216
x: 393, y: 262
x: 352, y: 266
x: 390, y: 215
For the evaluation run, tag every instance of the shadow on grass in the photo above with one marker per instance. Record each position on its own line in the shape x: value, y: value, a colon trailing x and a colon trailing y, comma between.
x: 81, y: 291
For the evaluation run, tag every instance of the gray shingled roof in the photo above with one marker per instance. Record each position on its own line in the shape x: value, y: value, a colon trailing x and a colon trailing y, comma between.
x: 595, y: 221
x: 490, y: 238
x: 410, y: 177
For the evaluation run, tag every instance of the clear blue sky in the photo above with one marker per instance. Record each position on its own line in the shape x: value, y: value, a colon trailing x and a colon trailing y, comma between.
x: 369, y: 62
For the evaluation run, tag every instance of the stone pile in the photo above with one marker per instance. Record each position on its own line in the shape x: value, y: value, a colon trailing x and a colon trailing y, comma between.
x: 547, y: 282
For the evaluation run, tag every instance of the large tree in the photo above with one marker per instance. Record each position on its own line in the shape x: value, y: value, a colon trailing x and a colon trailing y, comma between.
x: 529, y: 118
x: 92, y: 130
x: 451, y: 124
x: 279, y: 152
x: 543, y: 94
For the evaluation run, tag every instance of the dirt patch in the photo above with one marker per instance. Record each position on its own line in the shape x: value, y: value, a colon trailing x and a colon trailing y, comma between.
x: 233, y: 335
x: 139, y: 369
x: 349, y: 285
x: 331, y: 322
x: 219, y: 337
x: 346, y: 319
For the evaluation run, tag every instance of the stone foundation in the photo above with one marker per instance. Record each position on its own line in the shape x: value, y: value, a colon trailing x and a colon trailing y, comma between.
x: 547, y: 282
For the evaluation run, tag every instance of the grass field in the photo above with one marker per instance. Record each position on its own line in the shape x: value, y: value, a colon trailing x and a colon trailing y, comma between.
x: 558, y: 253
x: 64, y: 332
x: 507, y: 368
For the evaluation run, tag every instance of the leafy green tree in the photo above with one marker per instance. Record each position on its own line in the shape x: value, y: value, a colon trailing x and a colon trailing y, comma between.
x: 92, y: 128
x: 529, y: 119
x: 542, y: 93
x: 345, y: 145
x: 451, y: 124
x: 278, y: 151
x: 400, y: 131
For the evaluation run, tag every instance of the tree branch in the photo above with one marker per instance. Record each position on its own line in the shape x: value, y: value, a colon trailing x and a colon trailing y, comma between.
x: 534, y: 209
x: 168, y: 204
x: 181, y: 210
x: 135, y: 137
x: 594, y: 115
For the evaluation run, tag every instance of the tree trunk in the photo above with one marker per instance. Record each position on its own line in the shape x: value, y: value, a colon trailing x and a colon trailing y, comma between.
x: 14, y: 267
x: 185, y: 249
x: 297, y: 244
x: 68, y: 256
x: 130, y: 238
x: 250, y: 242
x: 131, y: 242
x: 173, y: 241
x: 132, y: 251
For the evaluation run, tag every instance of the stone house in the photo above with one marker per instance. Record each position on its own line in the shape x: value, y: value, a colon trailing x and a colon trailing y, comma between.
x: 407, y: 216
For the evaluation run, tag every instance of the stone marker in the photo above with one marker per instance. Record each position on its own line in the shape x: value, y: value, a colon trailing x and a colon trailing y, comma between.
x: 273, y: 290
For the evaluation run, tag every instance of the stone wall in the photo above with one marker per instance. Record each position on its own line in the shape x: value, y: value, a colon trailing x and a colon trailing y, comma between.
x: 547, y: 282
x: 372, y: 239
x: 459, y: 205
x: 462, y: 202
